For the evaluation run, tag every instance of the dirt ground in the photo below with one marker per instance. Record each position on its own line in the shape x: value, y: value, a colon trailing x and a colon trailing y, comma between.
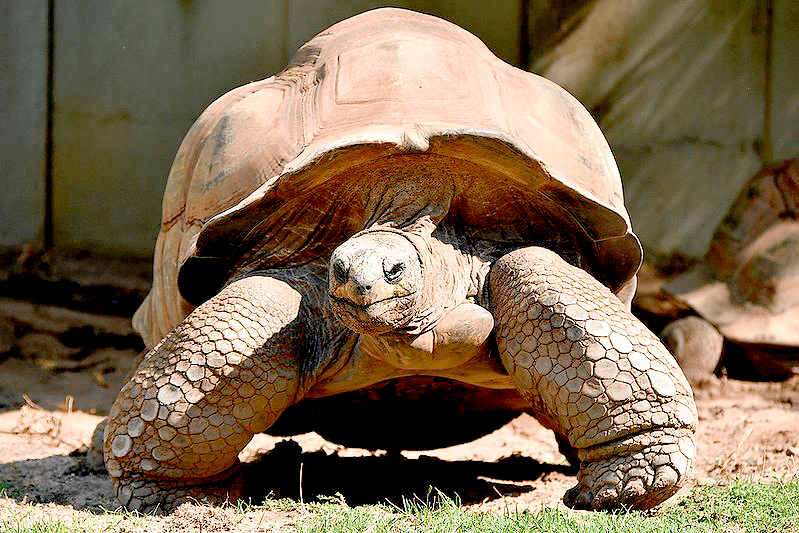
x: 61, y: 364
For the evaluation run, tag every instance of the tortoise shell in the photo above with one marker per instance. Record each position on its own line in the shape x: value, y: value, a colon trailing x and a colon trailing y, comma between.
x: 385, y: 118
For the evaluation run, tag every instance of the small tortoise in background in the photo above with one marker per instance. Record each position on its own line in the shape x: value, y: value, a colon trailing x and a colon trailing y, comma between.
x: 396, y: 215
x: 747, y: 289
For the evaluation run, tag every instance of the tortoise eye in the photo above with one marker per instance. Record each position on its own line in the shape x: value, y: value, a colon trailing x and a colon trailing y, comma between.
x: 393, y: 270
x: 341, y: 270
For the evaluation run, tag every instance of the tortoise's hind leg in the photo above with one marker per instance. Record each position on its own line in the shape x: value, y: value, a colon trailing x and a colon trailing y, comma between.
x: 222, y: 375
x: 595, y: 375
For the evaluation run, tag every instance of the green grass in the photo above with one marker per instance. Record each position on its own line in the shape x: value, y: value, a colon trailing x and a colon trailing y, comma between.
x: 31, y: 518
x: 6, y: 491
x: 741, y: 506
x: 755, y: 507
x: 44, y: 525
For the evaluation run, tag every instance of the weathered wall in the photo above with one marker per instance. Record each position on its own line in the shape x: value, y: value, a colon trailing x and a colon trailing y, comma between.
x: 23, y: 107
x: 129, y: 79
x: 784, y: 96
x: 694, y: 97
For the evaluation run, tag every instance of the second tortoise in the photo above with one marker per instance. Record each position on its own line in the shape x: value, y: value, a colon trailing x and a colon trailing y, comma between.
x: 746, y: 291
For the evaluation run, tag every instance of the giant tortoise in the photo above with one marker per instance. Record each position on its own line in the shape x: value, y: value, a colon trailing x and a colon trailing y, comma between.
x: 398, y: 215
x: 746, y: 291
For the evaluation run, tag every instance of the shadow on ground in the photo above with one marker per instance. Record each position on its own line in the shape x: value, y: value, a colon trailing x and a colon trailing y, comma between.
x: 389, y: 478
x: 285, y: 471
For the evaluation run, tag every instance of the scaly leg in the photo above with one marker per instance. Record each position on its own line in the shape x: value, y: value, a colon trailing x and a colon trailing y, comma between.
x: 225, y: 373
x: 596, y: 376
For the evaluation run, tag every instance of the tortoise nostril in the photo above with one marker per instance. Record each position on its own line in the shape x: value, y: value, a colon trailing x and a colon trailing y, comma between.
x: 361, y: 287
x: 393, y: 270
x: 341, y: 270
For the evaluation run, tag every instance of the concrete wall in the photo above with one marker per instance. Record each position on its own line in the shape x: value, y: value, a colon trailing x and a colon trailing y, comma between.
x: 694, y: 97
x: 23, y: 107
x: 784, y: 97
x: 129, y: 79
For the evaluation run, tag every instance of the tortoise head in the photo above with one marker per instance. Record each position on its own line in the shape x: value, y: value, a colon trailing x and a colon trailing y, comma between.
x: 375, y: 281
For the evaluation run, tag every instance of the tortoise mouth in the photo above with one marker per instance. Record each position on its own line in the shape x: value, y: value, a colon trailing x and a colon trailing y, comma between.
x: 366, y: 306
x: 380, y: 316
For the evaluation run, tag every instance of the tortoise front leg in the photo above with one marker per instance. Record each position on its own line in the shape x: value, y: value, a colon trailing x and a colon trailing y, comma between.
x: 225, y: 373
x: 596, y: 376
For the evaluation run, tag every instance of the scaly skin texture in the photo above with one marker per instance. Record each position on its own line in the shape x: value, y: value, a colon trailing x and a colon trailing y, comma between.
x: 597, y: 376
x: 225, y: 373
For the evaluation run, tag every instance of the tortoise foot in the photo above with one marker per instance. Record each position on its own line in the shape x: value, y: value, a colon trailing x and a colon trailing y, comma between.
x: 163, y: 496
x: 643, y: 471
